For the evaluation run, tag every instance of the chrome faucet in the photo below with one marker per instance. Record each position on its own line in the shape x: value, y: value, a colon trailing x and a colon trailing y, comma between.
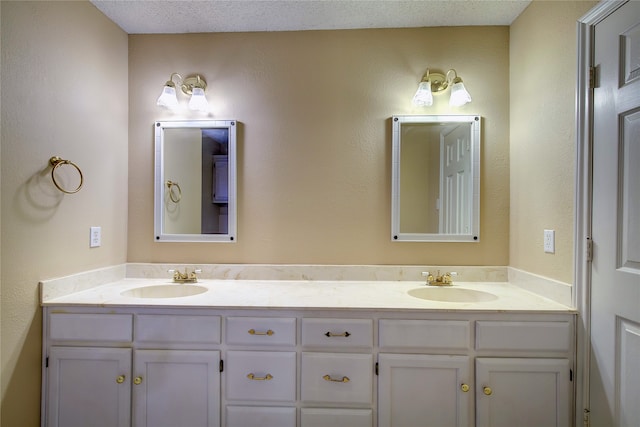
x: 185, y: 277
x: 439, y: 280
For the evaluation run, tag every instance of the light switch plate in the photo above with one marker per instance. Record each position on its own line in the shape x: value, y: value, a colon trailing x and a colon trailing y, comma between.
x: 95, y: 237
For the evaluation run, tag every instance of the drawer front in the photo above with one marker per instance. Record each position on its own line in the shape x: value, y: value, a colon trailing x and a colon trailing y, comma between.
x: 261, y: 331
x: 178, y: 329
x: 337, y: 378
x: 523, y: 336
x: 321, y: 417
x: 261, y: 375
x: 91, y: 327
x: 425, y: 334
x: 337, y: 333
x: 260, y: 416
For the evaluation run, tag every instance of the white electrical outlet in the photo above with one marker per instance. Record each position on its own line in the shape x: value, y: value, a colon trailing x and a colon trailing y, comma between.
x: 549, y: 241
x: 95, y: 237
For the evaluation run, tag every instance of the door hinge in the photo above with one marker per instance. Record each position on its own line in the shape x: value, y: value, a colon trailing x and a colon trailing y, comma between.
x: 221, y: 365
x: 571, y: 375
x: 46, y: 362
x: 592, y: 77
x: 586, y: 418
x: 377, y: 368
x: 589, y: 249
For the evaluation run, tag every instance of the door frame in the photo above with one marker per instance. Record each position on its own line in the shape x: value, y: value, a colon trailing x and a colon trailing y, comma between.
x: 583, y: 199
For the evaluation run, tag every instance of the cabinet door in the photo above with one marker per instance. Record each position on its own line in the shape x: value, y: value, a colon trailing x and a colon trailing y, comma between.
x: 176, y: 388
x: 522, y: 392
x: 89, y: 387
x: 424, y: 390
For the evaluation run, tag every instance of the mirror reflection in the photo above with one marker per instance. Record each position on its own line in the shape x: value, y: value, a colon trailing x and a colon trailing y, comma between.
x: 436, y: 178
x: 195, y: 181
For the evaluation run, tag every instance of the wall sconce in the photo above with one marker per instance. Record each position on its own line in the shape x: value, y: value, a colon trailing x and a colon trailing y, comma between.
x: 435, y: 83
x: 194, y: 86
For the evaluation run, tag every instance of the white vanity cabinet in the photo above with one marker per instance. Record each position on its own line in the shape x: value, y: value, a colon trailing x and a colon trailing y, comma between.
x: 337, y: 372
x: 122, y: 369
x: 260, y: 372
x: 524, y: 391
x: 425, y: 373
x: 153, y: 366
x: 484, y: 372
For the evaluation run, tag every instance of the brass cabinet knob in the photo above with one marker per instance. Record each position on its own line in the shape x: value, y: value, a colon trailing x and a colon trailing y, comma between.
x: 137, y: 380
x: 487, y: 390
x: 120, y: 379
x: 464, y: 387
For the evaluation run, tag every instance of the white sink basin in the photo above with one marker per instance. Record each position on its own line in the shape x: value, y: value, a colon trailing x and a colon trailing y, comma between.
x: 450, y: 294
x: 164, y: 291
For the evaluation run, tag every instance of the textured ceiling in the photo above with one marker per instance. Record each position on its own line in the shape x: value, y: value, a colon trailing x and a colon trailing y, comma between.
x: 189, y: 16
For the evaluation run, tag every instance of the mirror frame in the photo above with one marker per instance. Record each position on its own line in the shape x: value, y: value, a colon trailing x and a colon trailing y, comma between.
x: 159, y: 235
x: 474, y: 233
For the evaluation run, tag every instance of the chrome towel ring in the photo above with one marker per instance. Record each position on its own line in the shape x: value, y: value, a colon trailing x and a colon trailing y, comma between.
x: 175, y: 196
x: 57, y: 162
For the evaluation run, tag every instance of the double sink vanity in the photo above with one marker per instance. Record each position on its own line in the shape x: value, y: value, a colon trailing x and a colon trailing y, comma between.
x: 142, y: 350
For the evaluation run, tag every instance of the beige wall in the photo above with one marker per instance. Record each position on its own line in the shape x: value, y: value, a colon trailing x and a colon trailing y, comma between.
x: 315, y: 139
x: 64, y: 92
x: 542, y: 140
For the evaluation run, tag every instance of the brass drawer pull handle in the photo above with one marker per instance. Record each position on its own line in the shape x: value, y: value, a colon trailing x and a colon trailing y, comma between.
x: 487, y: 390
x: 331, y: 334
x: 464, y: 387
x: 137, y: 380
x: 267, y: 377
x: 120, y: 379
x: 336, y: 380
x: 254, y: 332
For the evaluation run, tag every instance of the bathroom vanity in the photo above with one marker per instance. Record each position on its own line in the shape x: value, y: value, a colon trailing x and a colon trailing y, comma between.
x: 248, y: 353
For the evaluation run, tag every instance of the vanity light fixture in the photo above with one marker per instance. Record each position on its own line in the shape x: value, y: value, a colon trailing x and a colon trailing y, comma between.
x: 194, y: 86
x: 436, y: 82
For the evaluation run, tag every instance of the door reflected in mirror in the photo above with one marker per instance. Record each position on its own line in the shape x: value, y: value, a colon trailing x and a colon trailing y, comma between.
x: 435, y: 178
x: 195, y: 181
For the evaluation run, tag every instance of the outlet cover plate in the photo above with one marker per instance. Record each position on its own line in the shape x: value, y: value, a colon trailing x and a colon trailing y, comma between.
x: 549, y: 241
x: 95, y: 237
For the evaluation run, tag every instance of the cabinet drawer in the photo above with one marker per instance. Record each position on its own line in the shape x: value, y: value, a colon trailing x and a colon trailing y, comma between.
x: 178, y: 329
x: 321, y: 417
x: 337, y: 378
x: 425, y: 334
x: 260, y: 416
x: 91, y: 327
x: 523, y: 336
x: 261, y: 375
x: 261, y: 331
x: 337, y: 333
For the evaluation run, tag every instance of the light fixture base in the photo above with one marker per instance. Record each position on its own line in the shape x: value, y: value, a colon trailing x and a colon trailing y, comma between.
x: 191, y: 82
x: 438, y: 82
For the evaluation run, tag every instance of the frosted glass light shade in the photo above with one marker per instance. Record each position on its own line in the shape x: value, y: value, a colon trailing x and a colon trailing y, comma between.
x: 168, y: 98
x: 459, y: 95
x: 423, y: 96
x: 198, y: 100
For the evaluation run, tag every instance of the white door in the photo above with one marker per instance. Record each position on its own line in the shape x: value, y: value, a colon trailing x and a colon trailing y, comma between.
x: 174, y: 388
x: 522, y: 392
x: 89, y: 387
x: 455, y: 181
x: 424, y: 390
x: 615, y: 287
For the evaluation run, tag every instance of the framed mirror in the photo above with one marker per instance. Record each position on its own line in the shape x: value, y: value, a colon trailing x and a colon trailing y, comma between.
x: 195, y: 181
x: 435, y: 191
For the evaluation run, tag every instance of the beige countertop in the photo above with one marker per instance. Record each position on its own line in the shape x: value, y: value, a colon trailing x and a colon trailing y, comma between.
x: 306, y: 294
